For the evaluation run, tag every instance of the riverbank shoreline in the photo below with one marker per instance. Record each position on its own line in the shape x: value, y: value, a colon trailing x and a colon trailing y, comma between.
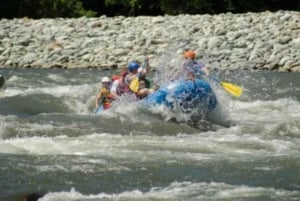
x: 267, y: 40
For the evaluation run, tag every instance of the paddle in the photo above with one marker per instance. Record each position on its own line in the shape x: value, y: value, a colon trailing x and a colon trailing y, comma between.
x: 229, y: 87
x: 232, y: 89
x: 100, y: 106
x: 135, y: 83
x: 99, y: 109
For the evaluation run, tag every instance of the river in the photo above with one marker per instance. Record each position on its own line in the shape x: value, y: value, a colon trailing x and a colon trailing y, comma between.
x: 52, y: 143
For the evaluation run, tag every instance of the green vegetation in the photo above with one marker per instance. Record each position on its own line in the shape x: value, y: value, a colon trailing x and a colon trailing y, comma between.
x: 91, y: 8
x: 43, y: 8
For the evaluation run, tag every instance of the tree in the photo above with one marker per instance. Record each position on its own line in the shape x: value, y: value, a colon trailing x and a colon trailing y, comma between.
x: 45, y: 9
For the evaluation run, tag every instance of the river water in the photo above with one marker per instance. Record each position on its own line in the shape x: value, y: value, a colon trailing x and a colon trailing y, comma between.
x: 52, y: 143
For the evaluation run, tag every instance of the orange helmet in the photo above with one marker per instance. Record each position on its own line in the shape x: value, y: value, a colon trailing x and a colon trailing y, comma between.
x: 189, y: 54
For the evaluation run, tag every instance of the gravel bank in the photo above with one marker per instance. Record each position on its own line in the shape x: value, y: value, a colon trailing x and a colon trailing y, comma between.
x: 227, y: 41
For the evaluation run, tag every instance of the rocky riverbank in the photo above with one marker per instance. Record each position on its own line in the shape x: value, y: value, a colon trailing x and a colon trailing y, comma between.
x: 227, y: 41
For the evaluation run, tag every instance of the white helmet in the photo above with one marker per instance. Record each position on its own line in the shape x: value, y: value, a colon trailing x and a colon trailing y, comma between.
x: 105, y: 79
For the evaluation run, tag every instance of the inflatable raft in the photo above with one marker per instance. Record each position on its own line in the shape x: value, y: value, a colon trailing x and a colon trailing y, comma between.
x: 183, y: 95
x: 186, y: 95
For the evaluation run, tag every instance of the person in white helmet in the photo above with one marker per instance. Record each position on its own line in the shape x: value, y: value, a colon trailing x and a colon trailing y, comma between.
x: 103, y: 98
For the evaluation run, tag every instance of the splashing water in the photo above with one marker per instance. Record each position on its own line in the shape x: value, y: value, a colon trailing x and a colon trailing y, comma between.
x: 51, y: 143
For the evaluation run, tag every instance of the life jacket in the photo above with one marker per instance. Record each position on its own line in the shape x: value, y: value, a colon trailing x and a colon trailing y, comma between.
x: 148, y: 83
x: 115, y: 77
x: 106, y: 100
x: 192, y: 68
x: 123, y: 88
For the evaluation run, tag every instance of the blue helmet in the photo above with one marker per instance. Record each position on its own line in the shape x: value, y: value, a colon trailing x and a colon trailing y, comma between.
x: 133, y: 66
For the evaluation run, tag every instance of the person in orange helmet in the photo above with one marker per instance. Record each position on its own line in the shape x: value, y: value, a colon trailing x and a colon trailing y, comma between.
x: 192, y: 66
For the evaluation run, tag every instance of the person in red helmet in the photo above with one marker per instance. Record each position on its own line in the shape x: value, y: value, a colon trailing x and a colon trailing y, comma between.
x: 119, y: 87
x: 192, y: 66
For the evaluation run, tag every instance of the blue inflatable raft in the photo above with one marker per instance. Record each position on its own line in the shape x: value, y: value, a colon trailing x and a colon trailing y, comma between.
x: 187, y: 95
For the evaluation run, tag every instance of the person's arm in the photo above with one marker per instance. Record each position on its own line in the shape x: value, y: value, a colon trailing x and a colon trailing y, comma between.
x: 203, y: 68
x: 98, y: 98
x: 114, y: 88
x: 144, y: 69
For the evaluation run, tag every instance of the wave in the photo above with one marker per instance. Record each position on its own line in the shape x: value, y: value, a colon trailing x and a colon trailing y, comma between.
x: 32, y: 104
x: 183, y: 191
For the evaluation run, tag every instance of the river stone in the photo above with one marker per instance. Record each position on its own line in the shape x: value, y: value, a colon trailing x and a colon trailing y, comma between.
x: 29, y: 58
x: 266, y: 39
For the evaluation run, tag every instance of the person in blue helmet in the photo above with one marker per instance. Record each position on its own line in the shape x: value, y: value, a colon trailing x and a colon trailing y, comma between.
x: 138, y: 72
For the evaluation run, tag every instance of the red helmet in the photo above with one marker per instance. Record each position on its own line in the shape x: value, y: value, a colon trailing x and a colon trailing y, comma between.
x: 189, y: 54
x: 115, y: 77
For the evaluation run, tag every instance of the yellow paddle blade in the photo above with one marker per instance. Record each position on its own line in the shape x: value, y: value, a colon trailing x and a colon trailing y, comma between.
x: 134, y: 85
x: 232, y: 89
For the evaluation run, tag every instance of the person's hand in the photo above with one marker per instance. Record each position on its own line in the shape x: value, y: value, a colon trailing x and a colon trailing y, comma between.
x: 111, y: 97
x: 140, y: 70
